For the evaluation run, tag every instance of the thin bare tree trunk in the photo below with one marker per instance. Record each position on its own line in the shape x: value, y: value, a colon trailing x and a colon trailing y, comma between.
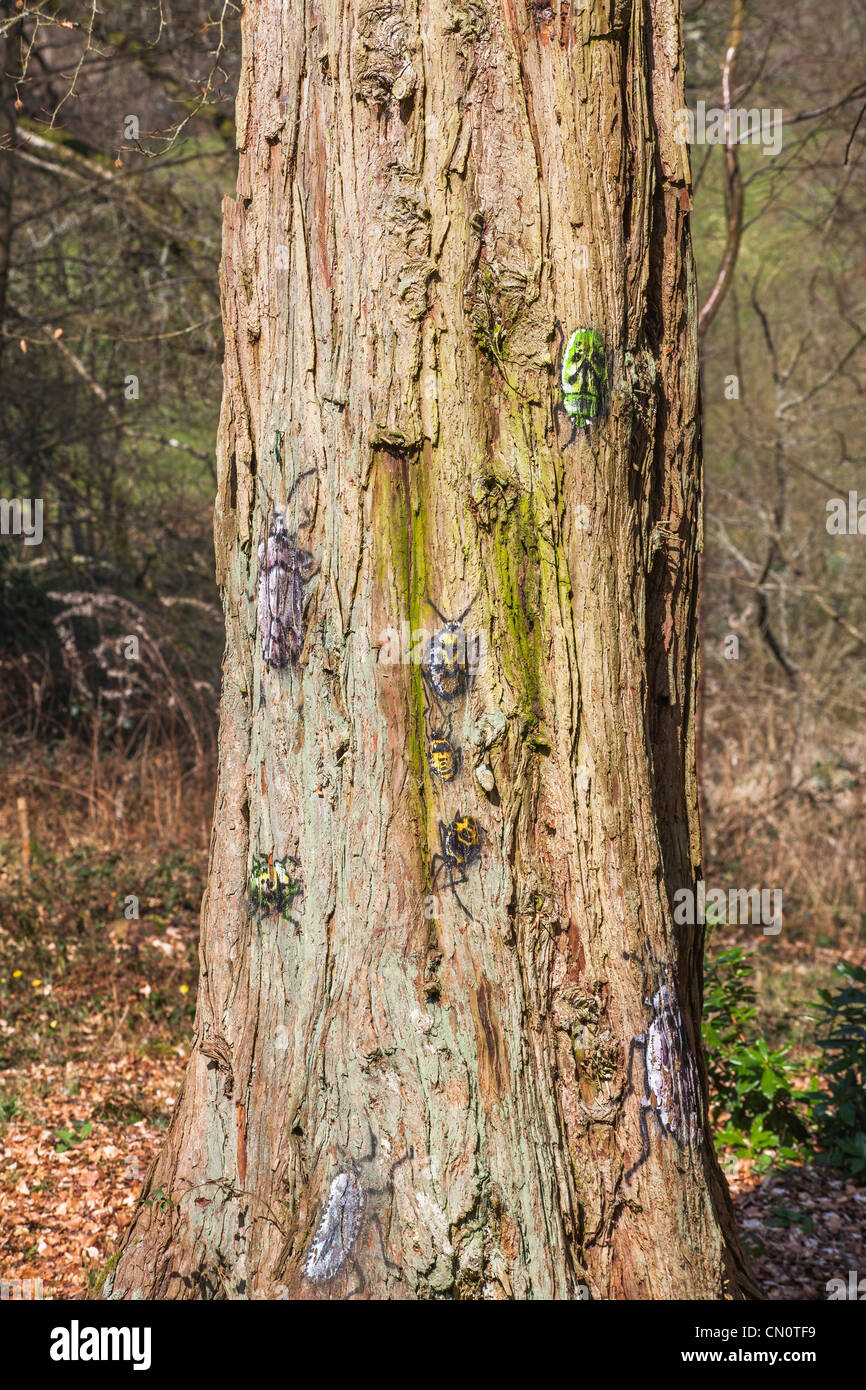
x: 10, y: 69
x: 430, y: 201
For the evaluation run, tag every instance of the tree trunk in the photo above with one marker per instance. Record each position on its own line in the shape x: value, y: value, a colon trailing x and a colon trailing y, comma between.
x: 505, y: 1101
x: 10, y: 71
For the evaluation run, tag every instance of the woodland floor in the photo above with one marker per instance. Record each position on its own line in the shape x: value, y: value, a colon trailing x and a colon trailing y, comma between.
x: 67, y: 1191
x: 96, y: 1015
x: 62, y: 1212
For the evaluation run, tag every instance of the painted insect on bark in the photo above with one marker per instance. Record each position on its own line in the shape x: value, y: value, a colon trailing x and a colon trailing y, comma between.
x: 274, y: 885
x: 284, y: 569
x: 671, y: 1089
x: 443, y: 759
x: 348, y: 1203
x: 459, y: 849
x: 451, y: 660
x: 584, y: 374
x: 338, y: 1229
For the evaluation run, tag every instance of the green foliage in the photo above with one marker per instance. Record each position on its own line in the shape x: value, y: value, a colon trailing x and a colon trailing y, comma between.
x: 10, y: 1108
x: 97, y: 1276
x: 755, y: 1106
x: 68, y: 1138
x: 784, y: 1217
x: 162, y: 1200
x: 840, y: 1109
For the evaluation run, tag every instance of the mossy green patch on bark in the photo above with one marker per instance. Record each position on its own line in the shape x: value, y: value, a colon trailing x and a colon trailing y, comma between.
x: 516, y: 560
x: 96, y: 1284
x: 401, y: 528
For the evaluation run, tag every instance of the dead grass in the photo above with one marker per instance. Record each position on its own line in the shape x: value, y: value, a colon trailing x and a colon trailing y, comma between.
x: 99, y: 902
x: 784, y: 799
x: 96, y: 1007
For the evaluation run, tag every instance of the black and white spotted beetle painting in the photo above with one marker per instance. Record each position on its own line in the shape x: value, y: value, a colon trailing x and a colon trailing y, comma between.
x: 284, y: 569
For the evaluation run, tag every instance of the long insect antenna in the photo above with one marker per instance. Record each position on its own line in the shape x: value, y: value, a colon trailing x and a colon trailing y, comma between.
x: 468, y: 606
x: 306, y: 474
x: 291, y: 491
x: 264, y: 487
x: 440, y: 616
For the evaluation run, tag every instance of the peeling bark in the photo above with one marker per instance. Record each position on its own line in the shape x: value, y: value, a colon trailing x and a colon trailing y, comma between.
x: 430, y: 200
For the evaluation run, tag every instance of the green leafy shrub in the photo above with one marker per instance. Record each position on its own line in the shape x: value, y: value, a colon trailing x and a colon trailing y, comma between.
x: 784, y: 1217
x: 755, y: 1106
x: 840, y: 1110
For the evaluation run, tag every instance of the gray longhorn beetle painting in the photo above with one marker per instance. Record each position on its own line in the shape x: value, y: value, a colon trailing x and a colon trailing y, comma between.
x: 284, y: 570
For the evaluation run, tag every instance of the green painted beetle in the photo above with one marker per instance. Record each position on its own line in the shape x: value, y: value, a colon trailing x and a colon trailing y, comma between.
x: 584, y: 373
x: 273, y: 886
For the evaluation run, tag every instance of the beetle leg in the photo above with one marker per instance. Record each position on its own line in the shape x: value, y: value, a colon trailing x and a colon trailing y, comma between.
x: 645, y: 1142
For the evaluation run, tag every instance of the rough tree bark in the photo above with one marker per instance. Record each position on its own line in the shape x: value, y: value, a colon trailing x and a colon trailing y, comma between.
x: 430, y: 199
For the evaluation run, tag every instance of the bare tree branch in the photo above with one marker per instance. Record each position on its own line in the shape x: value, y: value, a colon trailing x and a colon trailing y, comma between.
x: 734, y: 183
